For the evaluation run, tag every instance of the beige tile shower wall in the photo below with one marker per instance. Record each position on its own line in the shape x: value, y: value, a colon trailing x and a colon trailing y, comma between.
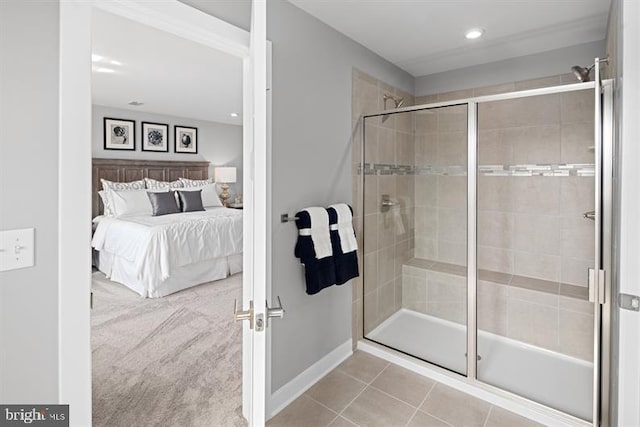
x: 440, y: 212
x: 530, y: 226
x: 388, y: 241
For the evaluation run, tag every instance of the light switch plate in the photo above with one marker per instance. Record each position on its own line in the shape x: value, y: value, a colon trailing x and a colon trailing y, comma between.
x: 17, y: 249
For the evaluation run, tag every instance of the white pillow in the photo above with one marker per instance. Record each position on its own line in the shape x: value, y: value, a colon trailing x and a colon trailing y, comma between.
x: 154, y: 184
x: 106, y: 203
x: 109, y: 186
x: 119, y: 186
x: 133, y: 202
x: 209, y: 195
x: 187, y: 183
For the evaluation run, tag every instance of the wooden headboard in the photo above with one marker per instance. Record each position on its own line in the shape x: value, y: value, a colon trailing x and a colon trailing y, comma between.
x: 121, y: 170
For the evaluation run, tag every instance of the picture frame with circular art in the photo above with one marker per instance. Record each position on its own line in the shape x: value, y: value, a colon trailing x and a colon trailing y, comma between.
x: 155, y: 137
x: 119, y: 134
x: 185, y: 139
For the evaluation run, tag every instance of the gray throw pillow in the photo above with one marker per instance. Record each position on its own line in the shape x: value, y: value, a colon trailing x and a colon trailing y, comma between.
x: 190, y: 201
x: 163, y: 203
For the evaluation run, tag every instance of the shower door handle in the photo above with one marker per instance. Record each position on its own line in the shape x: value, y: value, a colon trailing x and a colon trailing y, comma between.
x: 596, y: 286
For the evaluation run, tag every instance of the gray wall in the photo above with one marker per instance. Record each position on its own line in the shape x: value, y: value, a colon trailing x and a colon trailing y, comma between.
x: 29, y: 198
x: 235, y: 12
x: 312, y: 69
x: 312, y: 75
x: 550, y: 63
x: 219, y: 143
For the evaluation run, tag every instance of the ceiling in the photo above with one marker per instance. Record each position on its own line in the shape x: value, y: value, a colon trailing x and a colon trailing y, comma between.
x: 168, y: 74
x: 427, y: 36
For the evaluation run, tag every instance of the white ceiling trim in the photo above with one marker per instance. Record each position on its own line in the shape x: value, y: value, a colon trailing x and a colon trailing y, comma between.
x: 588, y: 29
x: 219, y: 35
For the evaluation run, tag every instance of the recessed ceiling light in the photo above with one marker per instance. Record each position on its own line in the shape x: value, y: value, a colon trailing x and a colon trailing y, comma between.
x: 234, y: 114
x: 105, y: 70
x: 474, y: 33
x: 96, y: 58
x: 136, y: 103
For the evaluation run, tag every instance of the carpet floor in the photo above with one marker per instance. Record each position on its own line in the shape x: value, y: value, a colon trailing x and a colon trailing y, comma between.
x: 172, y: 361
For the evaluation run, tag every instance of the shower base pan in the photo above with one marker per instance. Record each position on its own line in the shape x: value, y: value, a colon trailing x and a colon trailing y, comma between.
x: 553, y: 379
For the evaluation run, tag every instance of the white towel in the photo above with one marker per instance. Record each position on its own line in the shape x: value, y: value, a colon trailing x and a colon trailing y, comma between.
x: 348, y: 241
x: 319, y: 232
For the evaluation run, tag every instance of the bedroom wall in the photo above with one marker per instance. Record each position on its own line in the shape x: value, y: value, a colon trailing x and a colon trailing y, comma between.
x: 312, y: 71
x: 218, y: 143
x: 549, y: 63
x: 29, y: 198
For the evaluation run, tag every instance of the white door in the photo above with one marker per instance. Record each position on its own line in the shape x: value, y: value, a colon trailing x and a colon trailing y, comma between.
x: 255, y: 221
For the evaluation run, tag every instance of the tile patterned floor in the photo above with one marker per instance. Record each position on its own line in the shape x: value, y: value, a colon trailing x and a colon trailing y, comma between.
x: 367, y: 391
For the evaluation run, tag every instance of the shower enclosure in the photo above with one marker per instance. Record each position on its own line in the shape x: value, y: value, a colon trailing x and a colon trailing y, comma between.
x: 487, y: 245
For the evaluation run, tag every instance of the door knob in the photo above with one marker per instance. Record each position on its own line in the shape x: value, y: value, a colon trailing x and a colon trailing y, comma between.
x: 275, y: 311
x: 239, y: 315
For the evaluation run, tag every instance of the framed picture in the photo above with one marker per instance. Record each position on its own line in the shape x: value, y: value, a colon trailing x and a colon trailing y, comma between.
x: 155, y: 137
x: 119, y: 134
x: 186, y: 139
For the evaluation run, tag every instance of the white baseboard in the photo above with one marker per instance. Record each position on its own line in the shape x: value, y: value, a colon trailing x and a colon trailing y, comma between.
x: 529, y: 410
x: 294, y: 388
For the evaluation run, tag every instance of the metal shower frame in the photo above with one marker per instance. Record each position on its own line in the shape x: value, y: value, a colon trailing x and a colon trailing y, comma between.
x: 600, y: 289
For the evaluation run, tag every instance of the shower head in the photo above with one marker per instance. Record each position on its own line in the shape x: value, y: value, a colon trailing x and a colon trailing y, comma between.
x: 581, y: 73
x: 397, y: 102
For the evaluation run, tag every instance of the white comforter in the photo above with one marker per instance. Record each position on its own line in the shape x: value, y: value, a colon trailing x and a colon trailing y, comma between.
x: 156, y: 244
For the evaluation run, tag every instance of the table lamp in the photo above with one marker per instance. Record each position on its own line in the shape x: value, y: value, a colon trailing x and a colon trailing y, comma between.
x: 225, y: 176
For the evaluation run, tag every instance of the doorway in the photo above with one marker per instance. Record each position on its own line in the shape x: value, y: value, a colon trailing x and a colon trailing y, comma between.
x: 75, y: 59
x: 165, y: 347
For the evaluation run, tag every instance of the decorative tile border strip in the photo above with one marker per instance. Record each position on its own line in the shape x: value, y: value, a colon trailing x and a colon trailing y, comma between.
x: 521, y: 170
x: 453, y: 170
x: 561, y: 169
x: 386, y: 169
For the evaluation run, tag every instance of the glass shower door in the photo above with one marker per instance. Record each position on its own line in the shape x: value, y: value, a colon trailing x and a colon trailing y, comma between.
x: 415, y: 233
x: 536, y: 184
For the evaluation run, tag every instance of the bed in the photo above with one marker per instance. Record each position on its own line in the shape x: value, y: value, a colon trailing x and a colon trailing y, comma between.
x: 157, y: 256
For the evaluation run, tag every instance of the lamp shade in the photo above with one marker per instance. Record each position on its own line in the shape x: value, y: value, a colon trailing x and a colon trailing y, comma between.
x: 226, y: 175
